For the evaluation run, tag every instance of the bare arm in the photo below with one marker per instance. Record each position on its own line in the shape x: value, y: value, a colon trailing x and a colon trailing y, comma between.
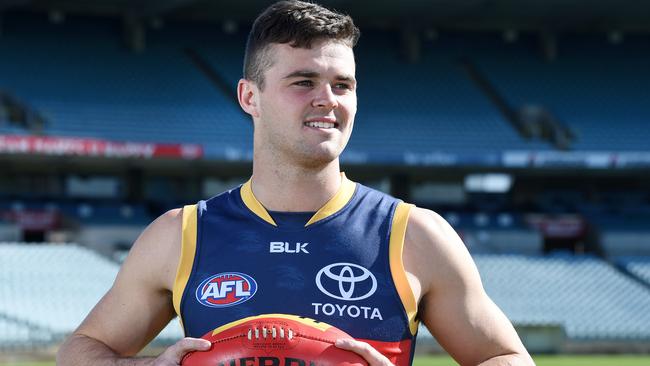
x: 137, y: 306
x: 451, y: 298
x: 453, y: 304
x: 83, y: 350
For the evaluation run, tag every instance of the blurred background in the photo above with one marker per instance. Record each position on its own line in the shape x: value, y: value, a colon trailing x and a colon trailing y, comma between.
x: 526, y: 124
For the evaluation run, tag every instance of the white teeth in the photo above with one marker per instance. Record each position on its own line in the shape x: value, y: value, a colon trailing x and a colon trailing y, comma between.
x: 320, y: 124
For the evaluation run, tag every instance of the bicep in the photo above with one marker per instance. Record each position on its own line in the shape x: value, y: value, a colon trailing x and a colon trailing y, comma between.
x: 454, y: 305
x: 126, y: 320
x: 139, y: 303
x: 469, y: 326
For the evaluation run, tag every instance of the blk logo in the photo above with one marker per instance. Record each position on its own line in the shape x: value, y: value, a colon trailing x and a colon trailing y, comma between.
x: 346, y: 281
x: 286, y: 247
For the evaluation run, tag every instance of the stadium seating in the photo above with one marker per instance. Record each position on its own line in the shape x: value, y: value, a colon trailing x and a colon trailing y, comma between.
x: 622, y: 233
x: 160, y: 95
x: 589, y: 297
x: 495, y: 233
x: 527, y: 242
x: 15, y: 335
x: 637, y: 266
x: 433, y: 103
x: 96, y: 223
x: 602, y: 101
x: 91, y: 86
x: 619, y: 242
x: 86, y: 211
x: 9, y: 231
x: 51, y: 288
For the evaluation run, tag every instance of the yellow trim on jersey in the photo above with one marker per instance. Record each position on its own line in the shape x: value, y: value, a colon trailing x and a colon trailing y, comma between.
x: 186, y: 261
x: 336, y: 203
x: 253, y: 204
x: 397, y: 235
x: 307, y: 321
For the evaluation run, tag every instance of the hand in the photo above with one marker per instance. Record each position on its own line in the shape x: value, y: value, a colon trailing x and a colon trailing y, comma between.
x: 174, y: 354
x: 368, y: 352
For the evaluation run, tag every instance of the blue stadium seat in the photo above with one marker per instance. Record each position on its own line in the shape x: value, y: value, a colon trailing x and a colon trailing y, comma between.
x: 91, y: 87
x: 638, y: 266
x: 589, y: 297
x: 51, y: 288
x: 598, y: 89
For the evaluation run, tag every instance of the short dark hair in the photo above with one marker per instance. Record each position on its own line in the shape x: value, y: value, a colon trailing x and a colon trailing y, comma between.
x: 297, y: 23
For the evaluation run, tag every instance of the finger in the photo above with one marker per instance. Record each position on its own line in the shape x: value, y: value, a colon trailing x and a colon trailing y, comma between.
x: 369, y: 353
x: 188, y: 344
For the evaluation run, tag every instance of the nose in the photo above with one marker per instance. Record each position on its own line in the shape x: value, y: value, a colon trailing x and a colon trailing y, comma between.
x: 325, y: 98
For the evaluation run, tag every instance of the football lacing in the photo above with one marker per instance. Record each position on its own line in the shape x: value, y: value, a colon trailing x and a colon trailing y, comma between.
x: 273, y: 332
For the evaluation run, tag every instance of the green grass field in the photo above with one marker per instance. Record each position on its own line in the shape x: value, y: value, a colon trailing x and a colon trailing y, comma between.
x: 588, y: 360
x: 563, y: 360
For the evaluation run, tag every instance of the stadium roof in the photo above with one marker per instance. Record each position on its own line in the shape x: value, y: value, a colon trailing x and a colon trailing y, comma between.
x: 549, y: 15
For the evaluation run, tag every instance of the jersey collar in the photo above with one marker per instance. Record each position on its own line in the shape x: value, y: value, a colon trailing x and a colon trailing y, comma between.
x: 335, y: 204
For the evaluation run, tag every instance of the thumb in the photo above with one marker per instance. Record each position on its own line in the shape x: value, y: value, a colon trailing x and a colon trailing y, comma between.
x: 185, y: 345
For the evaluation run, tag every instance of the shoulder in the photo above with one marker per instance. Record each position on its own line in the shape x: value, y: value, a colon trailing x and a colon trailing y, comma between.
x: 435, y: 253
x: 162, y: 231
x: 429, y: 232
x: 425, y: 223
x: 154, y: 255
x: 169, y: 221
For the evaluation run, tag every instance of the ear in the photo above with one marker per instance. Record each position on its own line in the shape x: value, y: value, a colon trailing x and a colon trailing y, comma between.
x: 247, y: 94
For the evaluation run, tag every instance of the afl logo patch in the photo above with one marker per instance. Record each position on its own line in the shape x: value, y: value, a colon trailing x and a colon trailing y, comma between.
x: 226, y: 289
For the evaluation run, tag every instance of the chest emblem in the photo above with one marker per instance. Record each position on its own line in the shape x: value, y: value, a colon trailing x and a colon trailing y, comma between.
x: 226, y: 289
x: 346, y: 281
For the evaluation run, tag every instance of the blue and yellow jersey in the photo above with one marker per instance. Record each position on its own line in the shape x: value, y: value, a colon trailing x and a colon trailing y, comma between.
x: 343, y: 267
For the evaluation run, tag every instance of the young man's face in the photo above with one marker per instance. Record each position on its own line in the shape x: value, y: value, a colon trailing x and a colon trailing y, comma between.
x: 308, y: 103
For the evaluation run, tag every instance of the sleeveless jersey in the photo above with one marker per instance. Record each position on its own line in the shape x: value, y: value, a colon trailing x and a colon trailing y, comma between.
x: 344, y: 267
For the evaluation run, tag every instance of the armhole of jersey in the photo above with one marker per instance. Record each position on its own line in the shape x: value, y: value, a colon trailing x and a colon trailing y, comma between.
x: 186, y: 260
x: 397, y: 235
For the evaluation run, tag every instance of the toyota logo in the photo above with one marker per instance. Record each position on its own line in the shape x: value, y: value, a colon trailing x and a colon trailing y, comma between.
x: 354, y: 282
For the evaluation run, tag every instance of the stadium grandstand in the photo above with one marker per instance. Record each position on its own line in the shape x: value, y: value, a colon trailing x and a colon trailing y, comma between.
x: 525, y: 124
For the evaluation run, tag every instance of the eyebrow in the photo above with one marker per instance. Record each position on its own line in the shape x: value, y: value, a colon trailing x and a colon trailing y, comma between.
x: 314, y: 74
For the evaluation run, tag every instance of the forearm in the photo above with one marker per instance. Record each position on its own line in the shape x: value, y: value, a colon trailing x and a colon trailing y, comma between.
x: 80, y: 350
x: 509, y: 360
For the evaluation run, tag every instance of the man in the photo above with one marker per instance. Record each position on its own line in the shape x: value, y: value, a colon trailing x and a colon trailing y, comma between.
x: 299, y: 237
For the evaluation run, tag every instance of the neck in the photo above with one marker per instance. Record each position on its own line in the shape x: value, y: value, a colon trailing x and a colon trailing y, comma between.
x: 294, y: 189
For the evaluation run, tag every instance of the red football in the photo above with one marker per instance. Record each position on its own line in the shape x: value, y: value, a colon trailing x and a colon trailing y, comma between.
x: 274, y: 340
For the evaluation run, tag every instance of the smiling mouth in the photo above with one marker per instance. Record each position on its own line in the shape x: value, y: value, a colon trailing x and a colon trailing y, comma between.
x: 324, y: 125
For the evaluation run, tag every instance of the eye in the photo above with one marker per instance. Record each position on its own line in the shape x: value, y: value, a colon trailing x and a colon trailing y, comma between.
x: 306, y: 83
x: 343, y: 86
